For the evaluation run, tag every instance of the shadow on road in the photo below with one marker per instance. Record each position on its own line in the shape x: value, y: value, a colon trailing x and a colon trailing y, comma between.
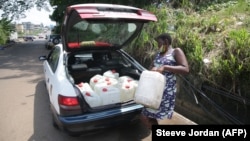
x: 22, y: 58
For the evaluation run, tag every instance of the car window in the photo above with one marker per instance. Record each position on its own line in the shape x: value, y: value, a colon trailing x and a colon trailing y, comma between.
x: 98, y: 57
x: 53, y: 58
x: 101, y: 33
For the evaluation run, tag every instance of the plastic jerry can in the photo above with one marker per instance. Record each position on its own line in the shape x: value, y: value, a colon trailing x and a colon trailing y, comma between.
x: 127, y: 91
x: 134, y: 83
x: 84, y: 87
x: 95, y: 80
x: 150, y: 89
x: 111, y: 74
x: 106, y: 82
x: 111, y: 81
x: 90, y: 96
x: 109, y: 94
x: 122, y: 79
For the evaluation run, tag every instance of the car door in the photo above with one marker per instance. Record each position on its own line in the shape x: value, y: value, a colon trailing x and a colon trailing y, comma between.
x: 50, y: 67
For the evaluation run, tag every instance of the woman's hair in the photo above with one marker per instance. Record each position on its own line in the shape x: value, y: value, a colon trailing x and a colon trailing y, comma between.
x: 165, y: 36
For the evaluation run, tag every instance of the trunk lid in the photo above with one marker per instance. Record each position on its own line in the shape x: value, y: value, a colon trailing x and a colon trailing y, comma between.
x: 99, y: 26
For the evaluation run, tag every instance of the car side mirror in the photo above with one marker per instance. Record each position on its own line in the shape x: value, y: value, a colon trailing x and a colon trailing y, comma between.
x: 42, y: 58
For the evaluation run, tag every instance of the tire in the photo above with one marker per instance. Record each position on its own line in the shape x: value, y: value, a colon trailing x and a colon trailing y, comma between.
x: 55, y: 41
x: 54, y: 123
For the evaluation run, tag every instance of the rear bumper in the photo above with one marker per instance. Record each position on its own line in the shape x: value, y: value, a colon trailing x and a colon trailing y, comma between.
x: 99, y: 120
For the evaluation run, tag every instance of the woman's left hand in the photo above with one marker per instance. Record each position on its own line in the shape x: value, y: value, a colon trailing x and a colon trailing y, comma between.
x: 159, y: 69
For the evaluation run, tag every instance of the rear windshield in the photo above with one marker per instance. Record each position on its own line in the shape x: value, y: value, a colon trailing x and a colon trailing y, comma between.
x: 101, y: 33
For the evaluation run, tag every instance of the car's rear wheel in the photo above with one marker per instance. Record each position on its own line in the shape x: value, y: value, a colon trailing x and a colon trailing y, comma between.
x: 55, y: 41
x: 54, y: 123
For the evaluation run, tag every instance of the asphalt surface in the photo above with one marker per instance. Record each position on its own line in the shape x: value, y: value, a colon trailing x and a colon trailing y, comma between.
x: 25, y: 114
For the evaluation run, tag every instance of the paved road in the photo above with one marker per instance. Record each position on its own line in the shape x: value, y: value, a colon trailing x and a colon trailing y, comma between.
x: 25, y: 115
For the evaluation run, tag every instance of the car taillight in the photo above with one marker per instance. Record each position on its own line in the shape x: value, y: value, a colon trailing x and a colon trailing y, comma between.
x: 68, y: 101
x: 69, y: 105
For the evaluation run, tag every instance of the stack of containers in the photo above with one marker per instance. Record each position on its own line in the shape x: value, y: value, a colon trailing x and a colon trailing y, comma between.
x: 108, y: 88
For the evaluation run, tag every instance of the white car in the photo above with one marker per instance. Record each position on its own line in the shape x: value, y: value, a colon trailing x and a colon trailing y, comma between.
x: 90, y: 80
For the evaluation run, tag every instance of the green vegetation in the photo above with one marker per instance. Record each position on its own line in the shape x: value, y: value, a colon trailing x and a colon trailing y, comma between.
x: 215, y: 39
x: 5, y: 30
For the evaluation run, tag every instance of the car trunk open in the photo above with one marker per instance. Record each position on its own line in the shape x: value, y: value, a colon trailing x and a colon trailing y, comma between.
x: 104, y: 78
x: 92, y: 36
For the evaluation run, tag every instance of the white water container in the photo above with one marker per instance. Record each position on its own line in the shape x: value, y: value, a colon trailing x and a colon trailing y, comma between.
x: 150, y: 89
x: 134, y: 83
x: 84, y: 87
x: 95, y: 80
x: 90, y: 96
x: 111, y: 74
x: 108, y: 94
x: 105, y: 82
x: 110, y: 81
x: 127, y: 91
x: 122, y: 79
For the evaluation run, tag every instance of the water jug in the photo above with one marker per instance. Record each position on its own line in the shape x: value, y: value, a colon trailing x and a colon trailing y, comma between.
x: 95, y: 80
x: 90, y: 96
x: 127, y: 91
x: 150, y: 89
x: 111, y: 74
x: 84, y: 87
x: 108, y: 94
x: 105, y: 82
x: 124, y: 78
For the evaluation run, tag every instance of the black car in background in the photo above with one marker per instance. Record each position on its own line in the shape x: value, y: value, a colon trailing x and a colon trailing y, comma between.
x: 52, y: 40
x: 28, y: 39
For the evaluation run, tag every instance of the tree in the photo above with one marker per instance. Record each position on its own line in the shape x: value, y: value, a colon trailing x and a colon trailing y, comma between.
x: 5, y: 30
x: 15, y: 9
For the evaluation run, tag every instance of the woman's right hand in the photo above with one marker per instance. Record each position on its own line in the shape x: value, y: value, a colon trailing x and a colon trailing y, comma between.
x: 154, y: 69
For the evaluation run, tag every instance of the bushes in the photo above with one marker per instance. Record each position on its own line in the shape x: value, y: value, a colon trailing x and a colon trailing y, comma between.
x: 216, y: 43
x: 5, y: 29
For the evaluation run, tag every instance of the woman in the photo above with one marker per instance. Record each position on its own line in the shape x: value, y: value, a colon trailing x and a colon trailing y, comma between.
x: 169, y: 61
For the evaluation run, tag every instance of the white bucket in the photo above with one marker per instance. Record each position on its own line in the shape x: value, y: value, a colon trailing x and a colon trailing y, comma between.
x: 108, y: 94
x: 111, y: 74
x: 127, y: 91
x: 150, y: 89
